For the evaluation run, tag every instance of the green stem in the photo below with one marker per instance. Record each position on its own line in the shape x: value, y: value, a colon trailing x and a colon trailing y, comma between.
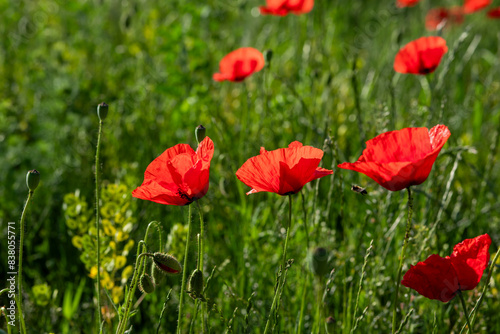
x: 283, y: 265
x: 403, y: 251
x: 22, y: 326
x: 303, y: 304
x: 305, y: 219
x: 135, y: 280
x: 465, y: 311
x: 141, y: 248
x: 184, y: 273
x: 98, y: 256
x: 201, y: 252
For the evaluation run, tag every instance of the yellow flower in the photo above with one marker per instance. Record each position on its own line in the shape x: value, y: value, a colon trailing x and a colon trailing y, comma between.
x: 93, y: 272
x: 77, y: 241
x: 117, y: 294
x: 120, y: 261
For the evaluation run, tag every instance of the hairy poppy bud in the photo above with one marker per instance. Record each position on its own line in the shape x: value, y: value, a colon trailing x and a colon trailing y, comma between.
x: 157, y: 274
x: 199, y: 132
x: 146, y: 284
x: 167, y: 263
x: 319, y: 262
x: 32, y: 179
x: 102, y: 111
x: 195, y: 283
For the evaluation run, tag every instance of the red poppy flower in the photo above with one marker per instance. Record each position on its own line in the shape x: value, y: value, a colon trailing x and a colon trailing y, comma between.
x: 285, y: 7
x: 406, y: 3
x: 239, y: 64
x: 283, y: 171
x: 403, y: 158
x: 421, y: 56
x: 471, y: 6
x: 178, y: 176
x: 441, y: 278
x: 494, y: 13
x: 449, y: 16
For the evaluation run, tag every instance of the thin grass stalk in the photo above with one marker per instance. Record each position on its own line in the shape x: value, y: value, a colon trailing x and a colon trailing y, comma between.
x: 303, y: 304
x: 306, y: 229
x: 163, y: 311
x: 407, y: 317
x: 98, y: 252
x: 184, y: 273
x: 22, y: 325
x: 473, y: 313
x: 363, y: 272
x: 403, y: 251
x: 283, y: 264
x: 461, y: 297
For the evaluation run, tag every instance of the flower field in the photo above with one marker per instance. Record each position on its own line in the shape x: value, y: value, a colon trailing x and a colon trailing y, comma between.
x: 250, y: 166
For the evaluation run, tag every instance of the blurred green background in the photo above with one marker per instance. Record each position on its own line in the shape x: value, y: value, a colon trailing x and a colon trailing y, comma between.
x: 330, y: 78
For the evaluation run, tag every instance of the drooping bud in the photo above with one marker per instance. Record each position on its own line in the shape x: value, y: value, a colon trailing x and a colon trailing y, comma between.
x: 32, y: 179
x: 199, y: 132
x: 195, y: 283
x: 330, y: 324
x: 319, y: 262
x: 157, y: 274
x: 102, y: 111
x: 167, y: 263
x: 146, y: 284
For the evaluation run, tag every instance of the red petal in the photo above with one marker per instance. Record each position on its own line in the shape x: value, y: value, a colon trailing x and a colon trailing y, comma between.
x: 470, y: 258
x: 406, y: 3
x: 239, y: 64
x: 399, y: 159
x: 494, y: 13
x: 421, y: 56
x: 471, y: 6
x: 283, y: 171
x: 435, y: 278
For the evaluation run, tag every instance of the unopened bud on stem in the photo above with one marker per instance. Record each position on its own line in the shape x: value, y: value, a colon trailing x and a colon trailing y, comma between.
x: 32, y: 179
x: 199, y: 132
x: 102, y: 111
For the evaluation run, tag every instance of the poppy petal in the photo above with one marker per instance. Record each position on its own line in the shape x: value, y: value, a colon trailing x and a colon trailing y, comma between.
x: 434, y: 278
x: 239, y: 64
x: 471, y: 6
x: 470, y: 258
x: 421, y: 56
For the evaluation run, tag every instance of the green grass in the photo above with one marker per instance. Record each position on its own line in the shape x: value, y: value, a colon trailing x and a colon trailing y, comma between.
x: 153, y: 64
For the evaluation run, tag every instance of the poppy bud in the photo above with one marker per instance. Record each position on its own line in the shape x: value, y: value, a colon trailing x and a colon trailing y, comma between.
x: 268, y: 55
x: 157, y: 274
x: 146, y: 284
x: 319, y: 262
x: 167, y: 263
x: 195, y: 283
x: 102, y: 111
x: 199, y: 132
x: 32, y: 179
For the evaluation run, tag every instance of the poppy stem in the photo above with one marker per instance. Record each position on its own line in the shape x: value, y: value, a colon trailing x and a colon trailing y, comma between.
x: 20, y: 274
x: 184, y: 273
x: 403, y: 251
x: 98, y: 255
x: 201, y: 252
x: 465, y: 311
x: 283, y: 265
x: 305, y: 219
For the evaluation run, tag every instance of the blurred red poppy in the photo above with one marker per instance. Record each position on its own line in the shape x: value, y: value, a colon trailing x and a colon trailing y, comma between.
x: 471, y: 6
x: 403, y: 158
x: 285, y: 7
x: 178, y: 176
x: 406, y: 3
x: 283, y: 171
x: 239, y: 64
x: 494, y: 13
x: 443, y: 16
x: 421, y: 56
x: 441, y: 278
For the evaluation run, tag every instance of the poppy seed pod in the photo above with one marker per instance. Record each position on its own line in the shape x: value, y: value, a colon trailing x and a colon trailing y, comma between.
x: 32, y: 179
x: 102, y: 111
x: 199, y: 132
x: 146, y: 284
x: 167, y: 263
x: 195, y: 283
x: 319, y: 262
